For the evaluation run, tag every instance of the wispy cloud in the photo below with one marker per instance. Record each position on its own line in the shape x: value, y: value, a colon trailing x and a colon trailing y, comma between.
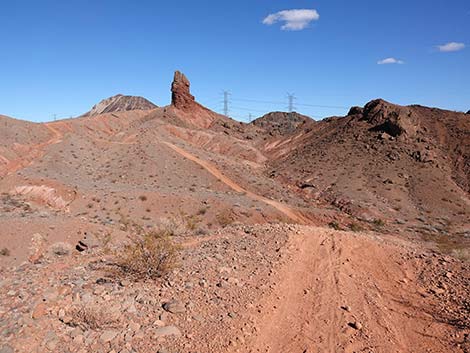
x: 452, y: 46
x: 293, y: 20
x: 389, y: 61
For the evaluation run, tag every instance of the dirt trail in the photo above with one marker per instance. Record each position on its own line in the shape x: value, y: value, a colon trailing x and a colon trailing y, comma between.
x: 333, y: 280
x: 286, y: 210
x: 34, y: 152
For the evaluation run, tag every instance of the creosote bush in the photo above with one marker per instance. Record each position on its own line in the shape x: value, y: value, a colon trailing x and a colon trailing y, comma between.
x: 224, y: 218
x: 149, y: 255
x: 334, y: 225
x: 91, y: 317
x: 355, y: 227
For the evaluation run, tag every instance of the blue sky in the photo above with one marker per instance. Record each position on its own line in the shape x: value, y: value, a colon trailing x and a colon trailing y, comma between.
x: 61, y: 57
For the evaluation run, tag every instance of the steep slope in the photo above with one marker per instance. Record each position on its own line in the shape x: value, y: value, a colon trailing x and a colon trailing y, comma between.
x: 281, y: 123
x: 404, y: 164
x: 120, y: 103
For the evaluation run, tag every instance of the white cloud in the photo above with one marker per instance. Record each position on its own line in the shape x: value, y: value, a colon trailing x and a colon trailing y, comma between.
x: 390, y: 61
x: 452, y: 46
x: 294, y: 20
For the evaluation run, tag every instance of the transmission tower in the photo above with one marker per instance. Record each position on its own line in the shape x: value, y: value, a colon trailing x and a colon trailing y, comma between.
x: 226, y: 102
x: 291, y: 98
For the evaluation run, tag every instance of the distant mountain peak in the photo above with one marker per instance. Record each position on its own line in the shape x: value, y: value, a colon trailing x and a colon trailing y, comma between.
x: 120, y: 103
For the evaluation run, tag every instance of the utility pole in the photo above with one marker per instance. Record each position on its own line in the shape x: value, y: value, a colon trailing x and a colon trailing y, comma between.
x: 291, y: 98
x: 250, y: 118
x: 226, y: 102
x: 55, y: 117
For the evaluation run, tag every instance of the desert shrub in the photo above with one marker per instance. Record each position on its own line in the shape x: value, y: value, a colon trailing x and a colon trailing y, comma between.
x: 378, y: 224
x: 355, y: 227
x: 334, y: 225
x: 202, y: 211
x: 60, y: 249
x: 191, y: 222
x: 143, y: 198
x: 224, y: 218
x: 149, y: 255
x: 92, y: 317
x: 461, y: 254
x: 5, y: 252
x: 174, y: 226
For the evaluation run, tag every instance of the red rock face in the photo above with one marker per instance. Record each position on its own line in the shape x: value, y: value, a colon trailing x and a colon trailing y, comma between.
x: 181, y: 97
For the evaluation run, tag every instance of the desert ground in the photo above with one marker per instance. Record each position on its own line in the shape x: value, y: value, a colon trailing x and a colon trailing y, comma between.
x: 349, y: 234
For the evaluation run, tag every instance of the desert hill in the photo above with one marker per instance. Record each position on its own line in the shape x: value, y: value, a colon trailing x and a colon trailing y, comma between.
x: 370, y: 210
x: 120, y: 103
x: 407, y: 165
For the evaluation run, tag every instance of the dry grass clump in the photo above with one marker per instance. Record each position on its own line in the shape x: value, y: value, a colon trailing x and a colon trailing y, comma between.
x: 174, y: 226
x: 5, y: 252
x: 224, y: 218
x: 91, y: 317
x: 355, y: 227
x: 149, y: 255
x: 461, y: 254
x: 334, y: 225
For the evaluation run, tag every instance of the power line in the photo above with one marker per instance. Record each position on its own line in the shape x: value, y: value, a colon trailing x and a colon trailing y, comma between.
x: 226, y: 102
x: 300, y: 104
x: 291, y: 97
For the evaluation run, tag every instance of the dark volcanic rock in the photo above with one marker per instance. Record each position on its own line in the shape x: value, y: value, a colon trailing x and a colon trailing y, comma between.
x: 281, y: 123
x: 393, y: 119
x: 120, y: 103
x: 355, y: 111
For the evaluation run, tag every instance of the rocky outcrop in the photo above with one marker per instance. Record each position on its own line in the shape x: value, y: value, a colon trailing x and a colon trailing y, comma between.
x: 392, y: 119
x: 120, y: 103
x: 184, y: 107
x: 181, y: 97
x: 281, y: 123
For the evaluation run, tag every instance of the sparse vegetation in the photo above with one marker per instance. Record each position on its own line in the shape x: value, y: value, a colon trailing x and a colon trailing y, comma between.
x: 334, y: 225
x: 5, y: 252
x: 355, y: 227
x: 461, y: 254
x: 91, y: 317
x: 143, y: 198
x: 202, y: 211
x: 378, y: 223
x: 224, y: 218
x: 149, y: 255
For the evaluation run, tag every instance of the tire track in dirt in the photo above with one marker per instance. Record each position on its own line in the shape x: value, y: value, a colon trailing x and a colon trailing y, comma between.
x: 332, y: 280
x: 307, y: 298
x: 286, y: 210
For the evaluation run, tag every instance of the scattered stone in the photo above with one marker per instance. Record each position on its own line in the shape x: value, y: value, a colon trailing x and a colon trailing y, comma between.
x: 174, y: 307
x: 356, y: 325
x: 167, y: 331
x: 40, y: 310
x: 37, y: 248
x: 108, y: 335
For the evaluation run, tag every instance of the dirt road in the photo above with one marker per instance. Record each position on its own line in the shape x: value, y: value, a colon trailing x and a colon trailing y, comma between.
x: 342, y: 292
x: 292, y: 214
